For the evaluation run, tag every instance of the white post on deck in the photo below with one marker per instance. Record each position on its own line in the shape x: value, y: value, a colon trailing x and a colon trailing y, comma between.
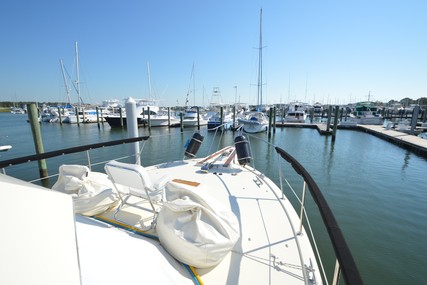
x: 132, y: 128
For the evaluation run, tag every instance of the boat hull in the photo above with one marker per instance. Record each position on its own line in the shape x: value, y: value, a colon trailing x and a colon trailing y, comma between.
x: 117, y: 122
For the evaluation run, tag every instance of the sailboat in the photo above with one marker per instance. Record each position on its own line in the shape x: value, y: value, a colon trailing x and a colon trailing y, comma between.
x: 83, y: 115
x: 147, y: 107
x: 256, y: 122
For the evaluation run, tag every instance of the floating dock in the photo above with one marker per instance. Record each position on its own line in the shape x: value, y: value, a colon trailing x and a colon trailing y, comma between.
x: 405, y: 140
x: 402, y: 139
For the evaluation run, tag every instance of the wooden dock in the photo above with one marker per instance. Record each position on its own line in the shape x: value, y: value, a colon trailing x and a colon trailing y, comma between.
x: 410, y: 142
x: 321, y: 128
x: 402, y: 139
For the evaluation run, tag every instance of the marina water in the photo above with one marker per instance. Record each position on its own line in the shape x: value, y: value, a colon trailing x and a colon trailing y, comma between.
x: 377, y: 190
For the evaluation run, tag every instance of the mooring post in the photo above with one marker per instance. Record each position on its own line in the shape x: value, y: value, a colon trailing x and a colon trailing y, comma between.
x: 181, y: 119
x: 234, y: 117
x: 334, y: 130
x: 60, y: 115
x: 149, y: 120
x: 269, y: 121
x: 169, y: 117
x: 328, y: 123
x: 37, y: 137
x: 415, y: 113
x: 83, y: 115
x: 198, y: 119
x: 97, y: 116
x: 77, y: 116
x: 221, y: 116
x: 132, y: 128
x: 121, y: 117
x: 274, y: 119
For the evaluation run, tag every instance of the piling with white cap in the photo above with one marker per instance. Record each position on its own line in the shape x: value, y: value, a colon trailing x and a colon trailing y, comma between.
x: 132, y: 128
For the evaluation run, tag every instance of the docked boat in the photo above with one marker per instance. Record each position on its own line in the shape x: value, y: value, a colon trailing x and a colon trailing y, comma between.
x: 215, y: 121
x: 254, y: 122
x: 367, y: 114
x: 296, y: 113
x: 117, y: 120
x: 403, y: 125
x: 17, y: 110
x: 86, y: 116
x: 350, y: 121
x: 5, y: 147
x: 142, y: 107
x: 162, y: 119
x: 317, y: 108
x: 209, y: 220
x: 53, y: 115
x: 422, y: 135
x: 192, y: 118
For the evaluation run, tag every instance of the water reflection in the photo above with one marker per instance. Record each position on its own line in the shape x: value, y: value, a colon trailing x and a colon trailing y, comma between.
x: 329, y: 155
x: 406, y: 161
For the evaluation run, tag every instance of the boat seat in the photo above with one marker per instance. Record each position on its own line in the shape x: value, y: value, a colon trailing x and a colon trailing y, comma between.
x: 133, y: 180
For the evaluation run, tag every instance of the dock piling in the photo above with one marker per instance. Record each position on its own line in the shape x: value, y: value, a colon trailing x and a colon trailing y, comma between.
x: 328, y: 123
x: 132, y: 128
x: 37, y: 137
x: 97, y: 117
x: 181, y: 119
x: 274, y: 120
x: 334, y: 130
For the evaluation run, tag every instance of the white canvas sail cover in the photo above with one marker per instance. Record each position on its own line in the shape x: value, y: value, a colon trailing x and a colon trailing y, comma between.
x: 91, y: 191
x: 195, y: 228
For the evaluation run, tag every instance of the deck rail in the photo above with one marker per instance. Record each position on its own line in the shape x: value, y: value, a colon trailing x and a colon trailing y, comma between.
x: 345, y: 262
x: 37, y: 157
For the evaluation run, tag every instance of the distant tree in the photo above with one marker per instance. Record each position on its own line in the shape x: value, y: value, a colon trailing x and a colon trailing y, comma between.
x: 422, y: 101
x: 406, y: 101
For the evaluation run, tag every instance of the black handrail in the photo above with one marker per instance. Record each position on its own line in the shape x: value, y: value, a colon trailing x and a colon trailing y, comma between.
x: 342, y: 251
x: 36, y: 157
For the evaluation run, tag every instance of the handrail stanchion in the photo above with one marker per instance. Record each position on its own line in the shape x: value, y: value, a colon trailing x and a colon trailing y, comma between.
x: 280, y: 178
x: 337, y: 273
x: 88, y: 160
x: 301, y: 217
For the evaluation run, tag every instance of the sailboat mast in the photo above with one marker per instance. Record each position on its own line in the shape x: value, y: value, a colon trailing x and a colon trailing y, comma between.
x: 65, y: 82
x: 149, y: 80
x: 260, y: 62
x: 194, y: 86
x: 77, y: 77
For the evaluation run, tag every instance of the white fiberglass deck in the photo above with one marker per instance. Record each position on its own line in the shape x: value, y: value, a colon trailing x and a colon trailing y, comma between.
x: 267, y: 251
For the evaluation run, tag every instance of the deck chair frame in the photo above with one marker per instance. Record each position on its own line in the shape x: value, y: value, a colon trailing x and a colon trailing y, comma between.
x: 131, y: 169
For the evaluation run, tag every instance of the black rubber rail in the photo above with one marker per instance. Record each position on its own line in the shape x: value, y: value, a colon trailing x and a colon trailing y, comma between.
x: 348, y: 266
x: 36, y: 157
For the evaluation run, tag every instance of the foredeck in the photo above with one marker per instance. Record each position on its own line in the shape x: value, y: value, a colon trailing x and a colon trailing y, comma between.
x: 268, y: 250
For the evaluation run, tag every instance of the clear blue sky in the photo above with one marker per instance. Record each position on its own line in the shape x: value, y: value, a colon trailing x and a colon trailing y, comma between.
x: 327, y: 51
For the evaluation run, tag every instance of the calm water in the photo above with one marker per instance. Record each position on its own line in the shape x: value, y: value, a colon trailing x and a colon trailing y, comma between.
x: 377, y: 191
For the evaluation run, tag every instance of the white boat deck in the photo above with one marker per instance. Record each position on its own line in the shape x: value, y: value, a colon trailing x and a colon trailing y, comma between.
x: 113, y: 252
x: 267, y: 250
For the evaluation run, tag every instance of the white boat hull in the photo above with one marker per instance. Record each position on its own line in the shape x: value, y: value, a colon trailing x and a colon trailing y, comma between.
x: 253, y: 127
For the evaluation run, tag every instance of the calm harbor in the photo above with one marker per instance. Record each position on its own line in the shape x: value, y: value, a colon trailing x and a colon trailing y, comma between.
x: 377, y: 190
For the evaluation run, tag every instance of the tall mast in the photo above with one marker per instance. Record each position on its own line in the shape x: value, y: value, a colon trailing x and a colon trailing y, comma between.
x: 65, y: 81
x: 77, y: 77
x: 260, y: 62
x: 149, y: 80
x: 194, y: 86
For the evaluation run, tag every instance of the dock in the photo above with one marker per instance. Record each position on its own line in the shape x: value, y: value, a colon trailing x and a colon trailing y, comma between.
x: 402, y: 139
x: 321, y: 128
